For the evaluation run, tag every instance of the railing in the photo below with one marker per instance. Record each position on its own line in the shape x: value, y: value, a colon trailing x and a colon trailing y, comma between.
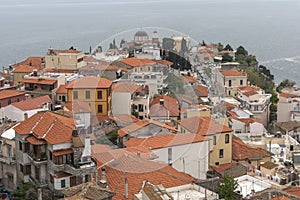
x: 37, y: 159
x: 7, y: 160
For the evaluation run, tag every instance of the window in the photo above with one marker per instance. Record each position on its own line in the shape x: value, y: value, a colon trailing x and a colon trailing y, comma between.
x: 169, y: 155
x: 20, y: 146
x: 87, y: 94
x: 221, y: 153
x: 229, y: 92
x: 9, y: 153
x: 9, y: 101
x: 241, y: 82
x: 63, y: 183
x: 59, y: 97
x: 226, y: 138
x: 18, y: 100
x: 214, y: 140
x: 229, y: 83
x: 100, y: 109
x: 141, y: 108
x: 75, y: 94
x: 0, y: 105
x: 99, y: 94
x: 255, y: 108
x: 27, y: 147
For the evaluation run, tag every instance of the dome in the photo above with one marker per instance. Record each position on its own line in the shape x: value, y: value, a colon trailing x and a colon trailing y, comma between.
x: 141, y: 34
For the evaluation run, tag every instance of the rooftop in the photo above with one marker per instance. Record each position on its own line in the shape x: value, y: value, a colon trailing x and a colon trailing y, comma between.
x: 4, y: 94
x: 32, y: 104
x: 232, y: 72
x: 41, y: 81
x: 91, y: 82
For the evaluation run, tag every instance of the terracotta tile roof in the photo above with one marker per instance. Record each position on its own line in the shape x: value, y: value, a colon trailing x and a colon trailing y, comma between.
x: 103, y: 66
x: 41, y: 81
x: 136, y: 62
x: 10, y: 93
x: 157, y: 142
x: 65, y: 71
x: 32, y: 104
x: 170, y: 106
x: 227, y: 52
x: 90, y: 59
x: 33, y: 140
x: 221, y: 168
x: 249, y: 88
x: 201, y: 90
x: 24, y: 69
x: 232, y: 72
x: 90, y: 82
x: 189, y: 79
x: 269, y: 165
x: 35, y: 62
x: 203, y: 126
x: 100, y: 148
x: 62, y: 90
x: 141, y: 124
x: 125, y: 87
x: 124, y: 119
x: 286, y: 95
x: 249, y: 93
x: 281, y: 198
x: 6, y: 75
x: 77, y: 142
x: 288, y: 126
x: 96, y: 119
x: 52, y: 127
x: 62, y: 152
x: 198, y: 107
x: 242, y: 151
x: 136, y: 171
x: 67, y: 51
x: 77, y: 107
x: 294, y: 191
x: 229, y: 106
x: 163, y: 62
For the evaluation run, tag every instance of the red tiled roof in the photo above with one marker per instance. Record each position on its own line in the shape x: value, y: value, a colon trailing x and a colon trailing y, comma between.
x: 62, y: 152
x: 10, y: 93
x: 65, y: 71
x: 201, y: 89
x: 232, y: 72
x: 170, y: 106
x: 250, y: 93
x: 249, y: 88
x: 24, y: 69
x: 203, y: 126
x: 157, y: 142
x: 125, y: 87
x: 286, y: 95
x: 33, y: 140
x: 242, y: 151
x: 190, y: 79
x: 52, y: 127
x: 221, y: 168
x: 32, y: 104
x: 100, y: 148
x: 41, y: 81
x: 78, y: 107
x: 5, y: 75
x: 61, y: 90
x: 163, y: 62
x: 294, y: 191
x: 140, y: 124
x: 35, y: 62
x: 281, y: 198
x: 67, y: 51
x: 90, y: 82
x: 136, y: 62
x: 104, y: 66
x: 137, y: 170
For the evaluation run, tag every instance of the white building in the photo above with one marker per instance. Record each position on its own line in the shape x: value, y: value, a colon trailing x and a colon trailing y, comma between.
x: 187, y: 153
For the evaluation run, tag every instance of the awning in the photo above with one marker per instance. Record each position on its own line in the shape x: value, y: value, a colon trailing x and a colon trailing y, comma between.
x: 62, y: 152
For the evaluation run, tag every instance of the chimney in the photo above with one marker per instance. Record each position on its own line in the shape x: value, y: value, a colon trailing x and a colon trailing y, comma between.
x: 138, y: 154
x: 25, y: 116
x: 126, y: 188
x: 161, y: 101
x: 87, y: 146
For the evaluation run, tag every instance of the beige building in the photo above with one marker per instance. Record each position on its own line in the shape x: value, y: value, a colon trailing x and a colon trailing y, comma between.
x: 232, y: 80
x: 64, y: 59
x: 220, y: 136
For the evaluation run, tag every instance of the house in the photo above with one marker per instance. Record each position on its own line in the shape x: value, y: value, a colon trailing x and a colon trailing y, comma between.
x: 81, y: 112
x: 123, y: 95
x: 34, y: 61
x: 8, y: 97
x: 19, y: 111
x: 93, y: 90
x: 20, y: 71
x: 61, y: 95
x: 295, y: 190
x: 195, y: 111
x: 70, y: 59
x: 220, y: 136
x: 164, y: 108
x: 269, y: 168
x: 256, y: 102
x: 50, y: 152
x: 8, y: 174
x: 143, y: 129
x: 189, y: 80
x: 111, y: 55
x: 202, y: 94
x: 185, y: 152
x: 126, y: 174
x: 288, y: 107
x: 231, y: 169
x: 243, y: 152
x: 249, y: 127
x: 232, y: 80
x: 191, y: 191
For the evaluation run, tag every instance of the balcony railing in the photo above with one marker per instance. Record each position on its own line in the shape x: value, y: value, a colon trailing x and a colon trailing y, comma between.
x: 7, y: 160
x: 37, y: 158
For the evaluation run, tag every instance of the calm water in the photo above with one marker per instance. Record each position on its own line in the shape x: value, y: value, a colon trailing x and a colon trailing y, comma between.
x: 269, y: 28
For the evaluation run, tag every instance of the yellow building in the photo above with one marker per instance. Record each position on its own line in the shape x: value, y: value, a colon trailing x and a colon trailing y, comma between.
x: 64, y: 59
x: 93, y: 90
x: 220, y: 137
x: 232, y: 80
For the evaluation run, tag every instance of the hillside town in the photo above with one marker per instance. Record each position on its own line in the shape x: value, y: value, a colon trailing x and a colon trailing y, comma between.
x: 147, y: 119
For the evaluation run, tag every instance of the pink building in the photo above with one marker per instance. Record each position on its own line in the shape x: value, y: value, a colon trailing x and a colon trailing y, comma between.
x: 10, y: 96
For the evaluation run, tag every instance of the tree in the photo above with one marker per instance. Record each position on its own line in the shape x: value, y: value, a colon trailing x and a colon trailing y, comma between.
x: 122, y: 42
x: 227, y: 188
x: 168, y: 44
x: 220, y: 46
x: 175, y: 84
x: 203, y: 43
x: 226, y: 58
x: 228, y: 48
x: 241, y: 51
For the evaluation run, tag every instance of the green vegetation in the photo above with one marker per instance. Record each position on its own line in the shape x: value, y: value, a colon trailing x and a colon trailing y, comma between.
x: 227, y: 58
x: 168, y: 44
x: 110, y: 138
x: 207, y: 71
x: 175, y: 84
x: 227, y: 188
x: 228, y: 48
x: 29, y: 191
x: 285, y: 84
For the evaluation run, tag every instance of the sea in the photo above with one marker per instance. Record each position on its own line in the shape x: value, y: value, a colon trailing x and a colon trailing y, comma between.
x: 269, y: 29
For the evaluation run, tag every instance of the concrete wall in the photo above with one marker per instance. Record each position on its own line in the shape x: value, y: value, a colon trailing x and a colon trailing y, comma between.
x: 121, y: 103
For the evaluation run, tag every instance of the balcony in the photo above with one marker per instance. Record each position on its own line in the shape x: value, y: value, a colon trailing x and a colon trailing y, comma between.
x: 80, y: 169
x: 7, y: 160
x: 40, y: 158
